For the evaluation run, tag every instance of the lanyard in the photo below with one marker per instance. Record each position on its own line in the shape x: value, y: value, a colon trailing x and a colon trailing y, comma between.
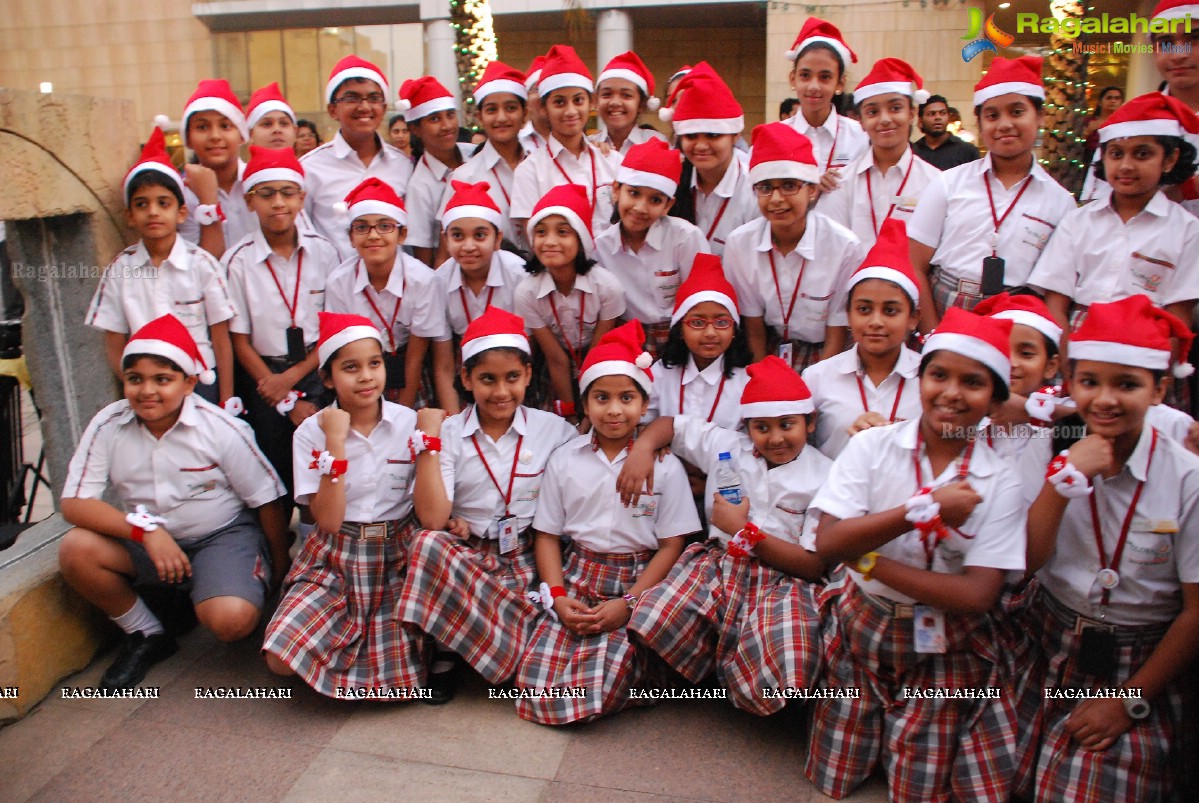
x: 836, y: 133
x: 998, y: 221
x: 899, y: 192
x: 295, y: 296
x: 466, y: 309
x: 569, y: 180
x: 712, y: 412
x: 388, y: 325
x: 778, y: 291
x: 500, y: 184
x: 719, y: 215
x: 424, y: 159
x: 507, y: 497
x: 894, y: 407
x: 576, y: 362
x: 1132, y: 507
x: 930, y: 544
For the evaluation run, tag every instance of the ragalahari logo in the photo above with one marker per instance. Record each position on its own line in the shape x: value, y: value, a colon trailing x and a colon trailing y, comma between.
x: 983, y: 37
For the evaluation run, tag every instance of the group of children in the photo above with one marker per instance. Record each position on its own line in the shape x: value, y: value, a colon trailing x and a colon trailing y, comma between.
x: 597, y: 414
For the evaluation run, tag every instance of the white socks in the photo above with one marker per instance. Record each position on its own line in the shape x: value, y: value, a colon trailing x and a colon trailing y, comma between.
x: 139, y: 619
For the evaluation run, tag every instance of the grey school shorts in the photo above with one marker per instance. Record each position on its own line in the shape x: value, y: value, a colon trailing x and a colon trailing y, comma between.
x: 230, y: 562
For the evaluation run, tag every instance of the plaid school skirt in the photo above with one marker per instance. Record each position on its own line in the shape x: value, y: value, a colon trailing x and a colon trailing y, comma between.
x: 1143, y: 764
x: 656, y: 335
x: 803, y: 353
x: 755, y: 627
x: 947, y: 292
x: 933, y: 749
x: 336, y: 624
x: 1023, y: 673
x: 471, y: 599
x: 540, y: 393
x: 603, y: 666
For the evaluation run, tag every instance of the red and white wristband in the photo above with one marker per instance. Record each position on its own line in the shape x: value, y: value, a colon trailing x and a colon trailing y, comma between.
x: 545, y: 596
x: 207, y: 214
x: 925, y: 513
x: 1065, y: 478
x: 326, y: 464
x: 742, y: 544
x: 142, y: 521
x: 420, y: 442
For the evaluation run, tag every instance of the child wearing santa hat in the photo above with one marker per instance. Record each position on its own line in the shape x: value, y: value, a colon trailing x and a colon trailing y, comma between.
x: 536, y: 131
x: 270, y: 118
x: 927, y: 520
x: 762, y: 632
x: 648, y: 251
x: 613, y: 553
x: 1112, y: 539
x: 188, y: 280
x: 790, y: 267
x: 623, y: 91
x: 185, y: 476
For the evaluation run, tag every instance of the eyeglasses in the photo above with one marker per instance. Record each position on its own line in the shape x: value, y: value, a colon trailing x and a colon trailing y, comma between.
x: 354, y: 99
x: 384, y: 227
x: 267, y: 193
x: 764, y: 189
x: 699, y: 324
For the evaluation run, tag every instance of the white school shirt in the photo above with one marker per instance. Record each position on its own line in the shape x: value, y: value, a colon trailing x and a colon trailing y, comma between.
x: 487, y: 165
x: 530, y: 138
x: 1011, y: 444
x: 1174, y: 424
x: 874, y: 473
x: 779, y: 497
x: 700, y: 390
x: 189, y: 284
x: 846, y: 133
x: 897, y: 191
x: 651, y: 276
x: 239, y: 220
x: 837, y: 395
x: 1153, y: 564
x: 598, y: 293
x: 379, y: 474
x: 1095, y: 257
x: 462, y: 306
x: 472, y: 494
x: 260, y: 311
x: 638, y: 136
x: 954, y: 218
x: 553, y: 166
x: 199, y: 476
x: 831, y: 253
x: 579, y: 501
x: 333, y: 169
x: 729, y: 205
x: 410, y: 303
x: 428, y: 184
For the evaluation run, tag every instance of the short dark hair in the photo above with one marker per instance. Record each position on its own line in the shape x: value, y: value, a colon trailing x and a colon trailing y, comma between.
x: 1000, y: 392
x: 1183, y: 169
x: 152, y: 178
x: 1102, y: 92
x: 394, y: 119
x: 787, y: 105
x: 932, y: 99
x: 131, y: 359
x: 1037, y: 104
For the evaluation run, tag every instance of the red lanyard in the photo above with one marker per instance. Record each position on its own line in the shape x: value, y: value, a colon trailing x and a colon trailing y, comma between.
x: 466, y: 309
x: 930, y: 544
x: 998, y: 221
x: 576, y: 363
x: 899, y: 192
x: 894, y: 407
x: 719, y: 215
x: 424, y: 159
x: 719, y: 390
x: 569, y: 180
x: 836, y: 133
x: 507, y: 497
x: 1132, y: 509
x: 778, y: 291
x: 295, y: 295
x: 500, y: 184
x: 388, y: 325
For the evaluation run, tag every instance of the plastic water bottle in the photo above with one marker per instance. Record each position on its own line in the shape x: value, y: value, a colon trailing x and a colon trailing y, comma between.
x: 728, y: 483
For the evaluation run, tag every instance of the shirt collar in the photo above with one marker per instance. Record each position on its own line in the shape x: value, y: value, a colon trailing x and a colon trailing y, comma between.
x: 342, y: 149
x: 830, y: 124
x: 907, y: 366
x: 471, y: 425
x: 806, y: 247
x: 1138, y: 461
x: 711, y: 374
x: 1037, y: 172
x: 866, y: 161
x: 495, y: 277
x: 982, y: 461
x: 261, y: 249
x: 728, y: 184
x: 395, y: 280
x: 179, y: 258
x: 545, y: 284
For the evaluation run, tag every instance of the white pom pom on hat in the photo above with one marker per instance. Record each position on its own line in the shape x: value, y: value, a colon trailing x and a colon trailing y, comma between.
x: 644, y: 360
x: 162, y: 121
x: 665, y: 114
x: 921, y: 96
x: 653, y: 104
x: 208, y: 377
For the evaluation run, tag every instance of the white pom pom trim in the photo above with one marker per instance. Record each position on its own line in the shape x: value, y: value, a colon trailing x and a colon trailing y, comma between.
x: 341, y: 207
x: 666, y: 114
x: 162, y: 121
x: 921, y: 96
x: 403, y: 104
x: 791, y: 54
x: 644, y: 360
x: 208, y: 377
x: 653, y: 104
x: 1183, y: 369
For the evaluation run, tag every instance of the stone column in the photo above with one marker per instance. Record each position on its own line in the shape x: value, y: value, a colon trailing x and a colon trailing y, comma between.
x: 613, y: 36
x: 439, y: 55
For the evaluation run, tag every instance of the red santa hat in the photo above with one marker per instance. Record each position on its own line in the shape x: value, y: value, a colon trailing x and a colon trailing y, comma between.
x: 773, y: 390
x: 1028, y: 310
x: 891, y: 75
x: 1020, y: 76
x: 569, y: 201
x: 563, y: 68
x: 1132, y: 331
x: 168, y: 338
x: 1152, y: 115
x: 781, y: 152
x: 374, y: 197
x: 154, y: 157
x: 652, y: 164
x: 630, y: 67
x: 266, y: 100
x: 986, y: 340
x: 705, y: 282
x: 471, y: 200
x: 619, y: 353
x: 215, y: 95
x: 339, y: 329
x: 499, y: 77
x: 705, y: 105
x: 534, y: 73
x: 818, y: 31
x: 888, y: 259
x: 496, y: 328
x: 420, y: 97
x: 272, y: 164
x: 1175, y: 10
x: 353, y: 67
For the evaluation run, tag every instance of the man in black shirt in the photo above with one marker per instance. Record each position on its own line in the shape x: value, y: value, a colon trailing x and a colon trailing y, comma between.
x: 938, y: 147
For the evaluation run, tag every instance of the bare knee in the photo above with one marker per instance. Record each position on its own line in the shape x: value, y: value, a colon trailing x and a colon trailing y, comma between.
x: 83, y: 553
x: 229, y: 618
x: 278, y: 666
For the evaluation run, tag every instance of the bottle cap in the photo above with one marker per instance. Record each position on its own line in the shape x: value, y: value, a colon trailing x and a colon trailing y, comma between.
x: 725, y: 456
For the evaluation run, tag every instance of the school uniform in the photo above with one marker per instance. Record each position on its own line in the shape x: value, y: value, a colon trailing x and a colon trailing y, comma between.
x: 835, y: 143
x: 963, y: 749
x: 202, y: 476
x: 637, y: 136
x: 530, y: 138
x: 954, y: 217
x: 799, y: 294
x: 607, y: 548
x: 553, y: 165
x: 708, y: 394
x: 729, y: 205
x: 336, y: 624
x: 842, y: 392
x: 651, y: 277
x: 756, y: 627
x: 867, y: 196
x: 467, y: 594
x: 411, y: 303
x: 597, y: 296
x: 239, y: 219
x: 487, y: 165
x: 462, y: 306
x: 333, y: 169
x: 428, y: 184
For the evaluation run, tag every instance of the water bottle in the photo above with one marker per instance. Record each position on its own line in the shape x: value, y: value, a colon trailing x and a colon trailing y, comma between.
x: 728, y: 483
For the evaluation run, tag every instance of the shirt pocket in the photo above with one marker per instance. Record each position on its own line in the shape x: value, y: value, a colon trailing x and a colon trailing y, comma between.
x: 1149, y: 555
x: 1147, y: 274
x: 201, y: 482
x: 1034, y: 234
x: 666, y: 285
x: 789, y: 523
x: 398, y: 475
x: 317, y: 299
x: 191, y: 314
x: 527, y: 487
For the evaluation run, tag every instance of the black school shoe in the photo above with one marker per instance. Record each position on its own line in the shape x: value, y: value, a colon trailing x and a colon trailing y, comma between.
x: 442, y: 686
x: 138, y: 652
